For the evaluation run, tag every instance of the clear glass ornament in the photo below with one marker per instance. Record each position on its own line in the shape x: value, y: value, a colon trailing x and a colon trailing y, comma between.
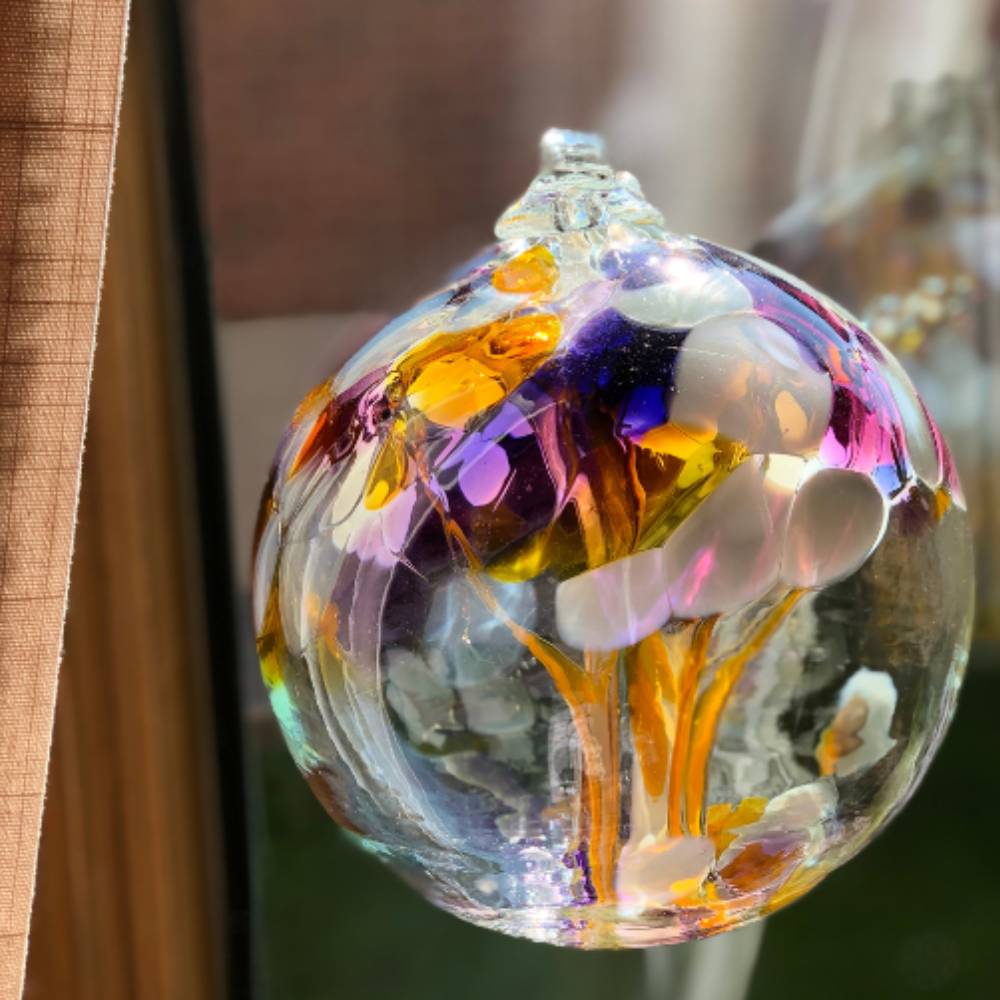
x: 620, y: 591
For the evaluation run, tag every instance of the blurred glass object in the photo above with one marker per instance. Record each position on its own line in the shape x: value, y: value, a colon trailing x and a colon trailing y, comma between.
x: 719, y: 968
x: 905, y: 232
x: 709, y: 105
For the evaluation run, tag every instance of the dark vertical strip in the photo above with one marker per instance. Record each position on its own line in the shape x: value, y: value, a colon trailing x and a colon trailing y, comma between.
x: 197, y: 315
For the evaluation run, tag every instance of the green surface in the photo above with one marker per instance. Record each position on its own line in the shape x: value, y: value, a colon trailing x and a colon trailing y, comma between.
x: 337, y: 923
x: 915, y: 914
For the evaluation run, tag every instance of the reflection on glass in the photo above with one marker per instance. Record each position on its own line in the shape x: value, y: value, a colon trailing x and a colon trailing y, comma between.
x: 908, y: 241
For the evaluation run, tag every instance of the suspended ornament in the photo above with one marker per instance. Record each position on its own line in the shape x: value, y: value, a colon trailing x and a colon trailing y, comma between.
x: 618, y: 592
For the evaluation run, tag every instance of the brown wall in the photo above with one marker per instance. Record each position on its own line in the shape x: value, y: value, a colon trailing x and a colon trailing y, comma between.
x: 354, y: 151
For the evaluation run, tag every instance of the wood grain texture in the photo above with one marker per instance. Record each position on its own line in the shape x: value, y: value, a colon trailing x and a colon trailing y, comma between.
x: 129, y: 902
x: 60, y: 78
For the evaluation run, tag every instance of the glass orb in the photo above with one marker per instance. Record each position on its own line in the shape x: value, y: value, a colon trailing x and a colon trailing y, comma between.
x: 620, y: 591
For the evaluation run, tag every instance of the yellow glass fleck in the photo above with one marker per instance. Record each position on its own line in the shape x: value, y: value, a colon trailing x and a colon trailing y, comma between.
x: 721, y: 820
x: 699, y: 465
x: 524, y: 337
x: 271, y: 646
x: 450, y: 391
x: 941, y: 503
x: 453, y: 376
x: 669, y: 439
x: 651, y: 682
x: 531, y: 272
x: 388, y: 475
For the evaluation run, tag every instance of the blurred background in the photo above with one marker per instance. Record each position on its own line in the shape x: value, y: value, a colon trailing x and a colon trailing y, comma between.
x: 291, y: 175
